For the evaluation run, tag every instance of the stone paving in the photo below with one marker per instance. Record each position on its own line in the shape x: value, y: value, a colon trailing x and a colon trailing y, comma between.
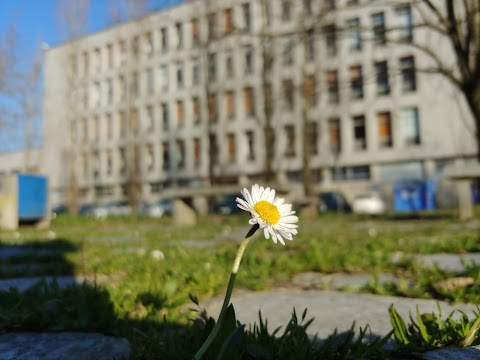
x: 332, y: 309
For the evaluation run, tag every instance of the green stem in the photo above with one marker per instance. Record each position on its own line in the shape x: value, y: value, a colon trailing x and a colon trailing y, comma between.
x: 228, y: 295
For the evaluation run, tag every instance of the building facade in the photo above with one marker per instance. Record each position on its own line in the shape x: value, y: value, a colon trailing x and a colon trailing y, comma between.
x: 181, y: 98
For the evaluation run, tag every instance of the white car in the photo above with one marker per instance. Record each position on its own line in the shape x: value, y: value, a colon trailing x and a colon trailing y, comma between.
x: 369, y: 203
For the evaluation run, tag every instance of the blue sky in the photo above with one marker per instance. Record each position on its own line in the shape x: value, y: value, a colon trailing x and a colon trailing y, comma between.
x: 36, y: 21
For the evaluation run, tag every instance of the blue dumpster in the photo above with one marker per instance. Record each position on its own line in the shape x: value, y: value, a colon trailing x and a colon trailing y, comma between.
x: 430, y: 194
x: 32, y: 197
x: 409, y: 195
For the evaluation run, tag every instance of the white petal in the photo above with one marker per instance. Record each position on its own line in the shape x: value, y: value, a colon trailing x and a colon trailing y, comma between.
x: 266, y: 234
x: 289, y: 219
x: 271, y: 196
x: 252, y: 221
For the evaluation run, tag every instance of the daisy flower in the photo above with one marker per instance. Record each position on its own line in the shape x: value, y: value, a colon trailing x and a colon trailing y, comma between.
x: 271, y: 213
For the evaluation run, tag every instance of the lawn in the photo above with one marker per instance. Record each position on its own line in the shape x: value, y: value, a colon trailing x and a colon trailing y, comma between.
x: 146, y: 268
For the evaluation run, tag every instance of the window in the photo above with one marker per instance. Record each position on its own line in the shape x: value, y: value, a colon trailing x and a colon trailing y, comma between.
x: 196, y: 152
x: 404, y: 23
x: 180, y: 83
x: 212, y: 107
x: 96, y: 94
x: 180, y: 113
x: 134, y: 85
x: 332, y: 86
x: 307, y: 7
x: 123, y: 123
x: 330, y: 32
x: 409, y: 126
x: 122, y: 153
x: 211, y: 24
x: 96, y: 164
x: 179, y: 33
x: 148, y: 45
x: 334, y: 136
x: 229, y: 64
x: 212, y: 66
x: 135, y: 46
x: 195, y: 31
x: 310, y: 45
x: 247, y: 18
x: 164, y: 79
x: 290, y: 144
x: 312, y: 137
x: 309, y: 91
x: 248, y: 58
x: 228, y: 13
x: 384, y: 129
x: 250, y: 145
x: 356, y: 82
x: 354, y: 35
x: 379, y: 33
x: 359, y: 133
x: 98, y: 60
x: 149, y: 119
x: 196, y: 110
x: 109, y: 161
x: 109, y: 91
x: 381, y: 75
x: 288, y: 98
x: 96, y: 128
x: 165, y: 156
x: 123, y: 87
x: 134, y: 123
x: 110, y: 55
x: 150, y: 158
x: 286, y: 10
x: 85, y: 63
x: 287, y: 50
x: 150, y: 82
x: 249, y: 101
x: 231, y: 150
x: 164, y: 39
x: 407, y: 68
x: 213, y: 148
x: 84, y: 162
x: 329, y: 4
x: 196, y: 71
x: 165, y: 116
x: 109, y: 121
x: 122, y: 47
x: 230, y: 104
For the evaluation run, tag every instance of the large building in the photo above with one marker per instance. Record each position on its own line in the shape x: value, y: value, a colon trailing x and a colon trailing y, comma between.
x: 182, y: 97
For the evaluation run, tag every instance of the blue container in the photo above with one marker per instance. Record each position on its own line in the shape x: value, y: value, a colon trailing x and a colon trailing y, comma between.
x: 409, y: 196
x: 430, y: 193
x: 32, y: 197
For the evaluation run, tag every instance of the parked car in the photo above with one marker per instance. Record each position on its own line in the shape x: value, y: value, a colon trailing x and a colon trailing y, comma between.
x: 368, y: 203
x: 119, y: 208
x: 226, y: 204
x: 59, y: 209
x: 86, y: 209
x: 333, y: 201
x: 159, y: 208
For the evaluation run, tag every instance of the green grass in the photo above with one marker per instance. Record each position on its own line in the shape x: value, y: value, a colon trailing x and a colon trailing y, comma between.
x: 140, y: 290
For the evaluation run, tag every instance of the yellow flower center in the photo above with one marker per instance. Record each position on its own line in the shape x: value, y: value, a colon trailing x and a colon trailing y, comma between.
x: 267, y: 211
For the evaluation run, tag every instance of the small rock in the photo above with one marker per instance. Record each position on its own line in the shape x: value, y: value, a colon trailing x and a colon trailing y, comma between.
x: 453, y: 284
x: 158, y: 255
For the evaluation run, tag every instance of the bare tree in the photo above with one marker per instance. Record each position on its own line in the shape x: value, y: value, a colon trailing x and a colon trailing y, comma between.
x: 72, y: 18
x: 28, y: 97
x: 133, y: 12
x: 458, y: 24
